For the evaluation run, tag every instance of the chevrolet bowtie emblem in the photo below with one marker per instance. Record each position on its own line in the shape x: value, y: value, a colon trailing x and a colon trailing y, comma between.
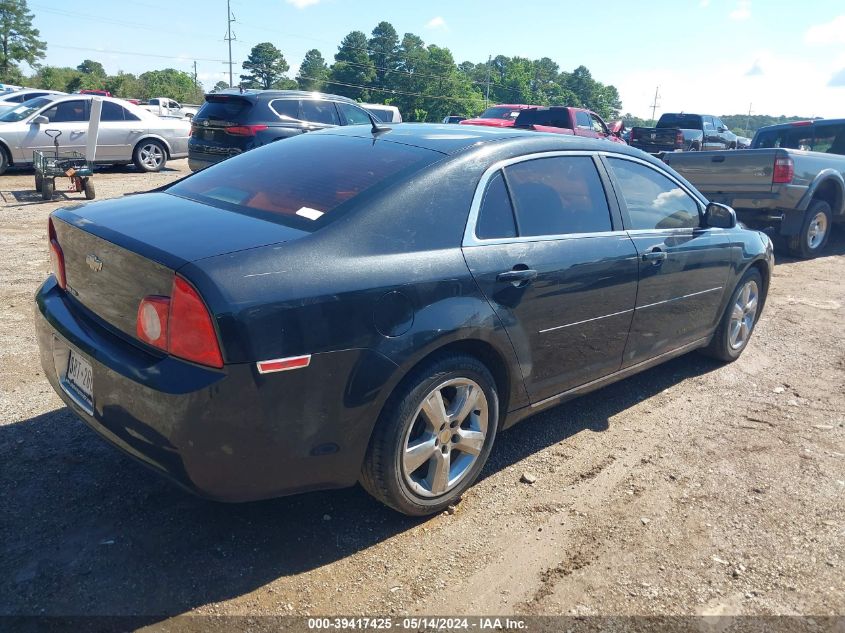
x: 94, y: 263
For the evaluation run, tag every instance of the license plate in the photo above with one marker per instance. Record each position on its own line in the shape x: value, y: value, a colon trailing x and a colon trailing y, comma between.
x: 80, y: 376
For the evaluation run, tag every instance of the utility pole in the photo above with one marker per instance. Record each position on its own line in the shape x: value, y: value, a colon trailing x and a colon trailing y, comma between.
x: 655, y: 104
x: 487, y: 94
x: 229, y: 37
x: 196, y: 86
x: 748, y: 121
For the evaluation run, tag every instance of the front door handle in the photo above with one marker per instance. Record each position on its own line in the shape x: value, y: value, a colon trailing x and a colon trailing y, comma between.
x: 655, y: 256
x: 519, y: 277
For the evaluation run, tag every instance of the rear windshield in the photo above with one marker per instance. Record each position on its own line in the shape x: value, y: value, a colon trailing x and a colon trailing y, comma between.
x: 820, y: 137
x: 686, y: 121
x: 306, y: 181
x: 499, y: 113
x: 224, y: 108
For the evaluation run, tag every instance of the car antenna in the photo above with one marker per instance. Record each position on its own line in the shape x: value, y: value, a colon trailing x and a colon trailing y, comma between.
x: 377, y: 129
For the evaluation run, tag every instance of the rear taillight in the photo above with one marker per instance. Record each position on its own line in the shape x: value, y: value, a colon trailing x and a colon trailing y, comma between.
x: 180, y: 325
x: 679, y: 139
x: 784, y: 171
x: 245, y: 130
x: 57, y: 257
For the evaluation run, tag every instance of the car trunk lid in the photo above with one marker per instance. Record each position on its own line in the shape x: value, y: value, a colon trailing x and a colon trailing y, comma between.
x: 745, y: 171
x: 119, y: 251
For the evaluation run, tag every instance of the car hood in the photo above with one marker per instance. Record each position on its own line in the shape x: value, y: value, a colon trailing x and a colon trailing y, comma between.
x: 172, y: 230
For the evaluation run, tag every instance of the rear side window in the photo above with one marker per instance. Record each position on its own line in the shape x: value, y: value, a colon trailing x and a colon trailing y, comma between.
x: 225, y: 108
x: 559, y: 195
x: 653, y: 200
x: 114, y: 112
x: 495, y: 218
x: 829, y: 138
x: 286, y: 108
x: 353, y: 115
x: 306, y: 181
x: 316, y: 111
x: 795, y: 137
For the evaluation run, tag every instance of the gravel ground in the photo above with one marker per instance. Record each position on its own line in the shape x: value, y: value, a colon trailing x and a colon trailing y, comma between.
x: 693, y: 488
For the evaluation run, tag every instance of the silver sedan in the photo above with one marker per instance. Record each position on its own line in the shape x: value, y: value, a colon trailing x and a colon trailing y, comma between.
x: 127, y: 133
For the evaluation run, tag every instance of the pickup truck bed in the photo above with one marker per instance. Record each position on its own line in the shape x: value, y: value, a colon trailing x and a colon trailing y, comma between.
x: 799, y: 194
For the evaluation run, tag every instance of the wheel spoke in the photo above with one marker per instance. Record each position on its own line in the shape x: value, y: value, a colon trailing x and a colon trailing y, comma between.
x: 746, y: 293
x: 434, y: 410
x: 751, y: 306
x: 743, y: 332
x: 736, y: 326
x: 438, y: 472
x: 467, y: 403
x: 419, y: 453
x: 470, y: 441
x: 737, y: 313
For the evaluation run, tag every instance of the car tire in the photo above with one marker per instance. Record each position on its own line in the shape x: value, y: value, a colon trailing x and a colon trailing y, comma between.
x: 88, y: 188
x: 4, y: 160
x: 448, y: 411
x: 741, y: 315
x: 814, y: 233
x: 48, y: 185
x: 149, y: 156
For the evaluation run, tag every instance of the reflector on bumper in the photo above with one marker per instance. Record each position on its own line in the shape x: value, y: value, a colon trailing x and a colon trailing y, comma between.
x: 283, y: 364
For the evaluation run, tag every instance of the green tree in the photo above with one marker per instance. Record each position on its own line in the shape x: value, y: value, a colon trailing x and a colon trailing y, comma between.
x: 266, y: 66
x: 123, y: 84
x: 18, y: 39
x: 353, y: 71
x: 169, y: 82
x: 54, y: 77
x: 313, y: 72
x: 90, y: 67
x: 220, y: 85
x: 384, y: 53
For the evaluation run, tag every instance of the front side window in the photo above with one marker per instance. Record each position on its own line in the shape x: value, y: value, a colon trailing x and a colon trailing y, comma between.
x: 353, y: 115
x: 558, y: 196
x: 582, y: 119
x: 67, y: 112
x: 315, y: 111
x: 653, y: 200
x: 599, y: 126
x: 495, y: 218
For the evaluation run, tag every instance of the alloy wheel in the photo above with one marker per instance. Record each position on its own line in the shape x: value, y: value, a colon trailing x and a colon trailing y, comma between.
x: 151, y: 155
x: 817, y: 230
x: 445, y: 437
x: 743, y: 315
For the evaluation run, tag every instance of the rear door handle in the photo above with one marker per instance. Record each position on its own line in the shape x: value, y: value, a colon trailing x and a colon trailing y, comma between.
x: 655, y: 256
x: 517, y: 277
x: 136, y: 131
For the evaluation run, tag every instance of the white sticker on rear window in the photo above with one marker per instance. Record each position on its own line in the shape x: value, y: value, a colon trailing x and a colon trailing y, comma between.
x: 308, y: 212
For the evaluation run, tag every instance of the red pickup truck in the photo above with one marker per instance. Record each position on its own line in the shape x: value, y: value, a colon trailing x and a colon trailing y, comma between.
x: 502, y: 115
x: 567, y: 120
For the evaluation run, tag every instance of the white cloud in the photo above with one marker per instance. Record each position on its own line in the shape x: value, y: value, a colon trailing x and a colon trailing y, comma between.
x: 704, y: 4
x: 820, y: 94
x: 742, y: 11
x: 301, y: 4
x: 436, y: 23
x: 832, y: 32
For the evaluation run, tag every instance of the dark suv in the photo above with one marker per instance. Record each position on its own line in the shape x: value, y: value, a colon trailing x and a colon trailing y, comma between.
x: 232, y: 122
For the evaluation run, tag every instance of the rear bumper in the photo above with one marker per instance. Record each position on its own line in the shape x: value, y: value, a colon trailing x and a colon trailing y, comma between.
x: 230, y: 434
x: 784, y: 206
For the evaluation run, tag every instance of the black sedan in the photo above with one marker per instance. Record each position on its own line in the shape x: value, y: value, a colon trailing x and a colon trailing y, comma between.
x: 375, y: 305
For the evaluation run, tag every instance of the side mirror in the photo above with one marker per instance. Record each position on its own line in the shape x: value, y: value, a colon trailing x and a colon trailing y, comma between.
x: 719, y: 216
x: 722, y: 130
x: 40, y: 120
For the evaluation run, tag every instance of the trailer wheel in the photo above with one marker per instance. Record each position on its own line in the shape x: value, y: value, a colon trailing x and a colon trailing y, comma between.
x: 38, y: 180
x: 48, y: 185
x: 815, y: 229
x: 88, y: 188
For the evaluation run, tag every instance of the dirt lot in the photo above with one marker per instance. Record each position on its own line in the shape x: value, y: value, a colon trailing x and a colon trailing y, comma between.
x: 692, y: 488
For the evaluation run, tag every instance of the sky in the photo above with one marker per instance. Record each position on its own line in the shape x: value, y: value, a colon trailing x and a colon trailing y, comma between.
x: 710, y: 56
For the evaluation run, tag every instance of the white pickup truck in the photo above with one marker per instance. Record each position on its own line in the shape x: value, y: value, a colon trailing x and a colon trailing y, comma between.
x: 162, y: 106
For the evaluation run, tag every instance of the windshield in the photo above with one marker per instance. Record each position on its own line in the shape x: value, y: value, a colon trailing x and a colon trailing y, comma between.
x: 24, y: 110
x: 499, y: 113
x: 687, y: 121
x: 306, y: 181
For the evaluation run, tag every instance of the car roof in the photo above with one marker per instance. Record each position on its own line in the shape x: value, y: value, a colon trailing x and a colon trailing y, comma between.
x: 446, y: 139
x: 281, y: 94
x: 804, y: 123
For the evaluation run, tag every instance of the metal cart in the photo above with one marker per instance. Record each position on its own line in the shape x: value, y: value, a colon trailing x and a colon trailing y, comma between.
x: 62, y: 164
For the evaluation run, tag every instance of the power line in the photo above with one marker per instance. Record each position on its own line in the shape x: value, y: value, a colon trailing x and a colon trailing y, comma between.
x: 135, y: 54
